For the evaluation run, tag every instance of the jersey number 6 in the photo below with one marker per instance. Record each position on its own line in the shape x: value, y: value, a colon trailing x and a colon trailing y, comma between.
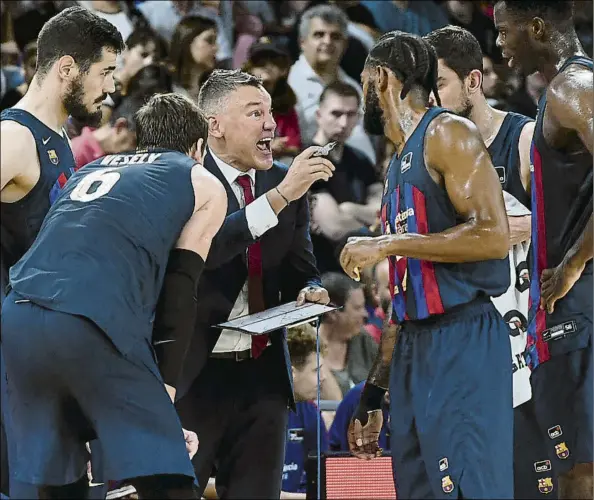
x: 102, y: 180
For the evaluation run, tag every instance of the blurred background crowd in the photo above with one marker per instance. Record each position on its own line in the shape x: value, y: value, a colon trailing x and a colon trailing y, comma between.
x: 309, y: 54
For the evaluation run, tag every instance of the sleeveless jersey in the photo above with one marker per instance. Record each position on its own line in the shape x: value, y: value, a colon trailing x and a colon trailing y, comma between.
x: 104, y: 245
x: 513, y: 304
x: 561, y: 207
x: 22, y: 219
x: 505, y: 155
x: 414, y: 203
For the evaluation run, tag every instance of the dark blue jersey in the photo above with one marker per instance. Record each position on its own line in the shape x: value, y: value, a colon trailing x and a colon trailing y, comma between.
x: 103, y: 248
x: 561, y: 208
x: 22, y: 219
x: 302, y: 439
x: 414, y: 203
x: 505, y: 156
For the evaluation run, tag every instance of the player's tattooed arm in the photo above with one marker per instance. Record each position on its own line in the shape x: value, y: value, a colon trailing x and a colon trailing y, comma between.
x: 379, y: 375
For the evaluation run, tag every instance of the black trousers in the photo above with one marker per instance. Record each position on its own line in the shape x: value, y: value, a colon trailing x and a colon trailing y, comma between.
x: 239, y: 411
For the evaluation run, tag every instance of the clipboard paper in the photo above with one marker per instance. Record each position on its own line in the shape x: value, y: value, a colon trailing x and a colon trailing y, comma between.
x: 276, y: 318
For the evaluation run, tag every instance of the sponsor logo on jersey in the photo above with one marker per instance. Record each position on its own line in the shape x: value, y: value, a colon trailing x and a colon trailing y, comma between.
x: 443, y: 464
x: 501, y: 174
x: 559, y: 331
x: 542, y: 466
x: 296, y: 435
x: 555, y: 432
x: 406, y: 163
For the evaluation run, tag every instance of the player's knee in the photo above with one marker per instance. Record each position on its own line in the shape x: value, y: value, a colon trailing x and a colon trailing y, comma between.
x: 578, y: 483
x: 165, y: 486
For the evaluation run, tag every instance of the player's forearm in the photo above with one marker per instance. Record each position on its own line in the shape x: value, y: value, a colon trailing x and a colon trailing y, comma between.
x: 379, y: 375
x: 581, y: 252
x: 519, y: 229
x: 468, y: 242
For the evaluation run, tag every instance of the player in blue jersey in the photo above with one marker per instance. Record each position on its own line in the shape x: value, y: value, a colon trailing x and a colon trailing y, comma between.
x: 508, y: 137
x: 450, y: 379
x: 540, y: 36
x: 101, y: 310
x: 76, y: 54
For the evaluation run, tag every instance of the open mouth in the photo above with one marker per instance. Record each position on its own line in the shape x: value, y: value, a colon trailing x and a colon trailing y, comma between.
x: 264, y: 145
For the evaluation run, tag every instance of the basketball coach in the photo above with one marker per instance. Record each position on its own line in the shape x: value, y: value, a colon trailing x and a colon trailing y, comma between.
x: 236, y: 389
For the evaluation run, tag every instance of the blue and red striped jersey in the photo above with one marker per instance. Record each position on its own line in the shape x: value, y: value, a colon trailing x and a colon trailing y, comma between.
x: 414, y: 203
x: 561, y: 207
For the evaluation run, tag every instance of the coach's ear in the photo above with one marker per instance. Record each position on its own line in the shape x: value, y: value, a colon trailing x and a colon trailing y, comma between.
x: 215, y: 127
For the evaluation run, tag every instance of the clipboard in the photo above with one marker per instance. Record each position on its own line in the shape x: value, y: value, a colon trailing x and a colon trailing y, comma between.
x: 276, y: 318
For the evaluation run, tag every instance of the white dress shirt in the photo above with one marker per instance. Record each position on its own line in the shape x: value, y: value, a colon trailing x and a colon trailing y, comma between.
x: 260, y: 218
x: 308, y: 87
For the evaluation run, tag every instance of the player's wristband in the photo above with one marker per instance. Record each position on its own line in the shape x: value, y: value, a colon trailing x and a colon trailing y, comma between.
x: 371, y: 399
x: 176, y: 312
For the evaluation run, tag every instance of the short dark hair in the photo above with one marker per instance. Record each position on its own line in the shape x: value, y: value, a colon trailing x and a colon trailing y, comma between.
x: 459, y: 49
x: 548, y: 10
x: 410, y: 58
x: 170, y: 121
x: 339, y: 287
x: 127, y: 109
x: 301, y: 340
x: 341, y: 89
x: 79, y: 33
x: 220, y: 84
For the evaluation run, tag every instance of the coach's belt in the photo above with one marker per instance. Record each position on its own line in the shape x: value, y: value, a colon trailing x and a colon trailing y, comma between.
x: 234, y: 355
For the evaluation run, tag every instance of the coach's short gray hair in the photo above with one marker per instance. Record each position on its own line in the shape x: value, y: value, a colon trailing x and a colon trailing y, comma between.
x: 219, y: 85
x: 330, y: 14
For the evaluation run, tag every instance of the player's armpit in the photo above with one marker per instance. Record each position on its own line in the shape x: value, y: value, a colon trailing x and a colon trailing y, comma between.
x: 569, y: 100
x: 524, y: 145
x: 18, y: 152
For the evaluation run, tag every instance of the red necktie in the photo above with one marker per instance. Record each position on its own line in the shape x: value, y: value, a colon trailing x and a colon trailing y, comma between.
x: 254, y: 258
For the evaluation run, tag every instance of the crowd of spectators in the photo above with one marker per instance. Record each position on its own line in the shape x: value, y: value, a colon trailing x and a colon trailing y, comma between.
x: 309, y: 55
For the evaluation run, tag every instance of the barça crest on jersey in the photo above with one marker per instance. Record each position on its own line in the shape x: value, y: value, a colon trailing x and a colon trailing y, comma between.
x: 545, y: 485
x: 406, y: 163
x: 446, y: 484
x: 561, y: 450
x: 53, y: 156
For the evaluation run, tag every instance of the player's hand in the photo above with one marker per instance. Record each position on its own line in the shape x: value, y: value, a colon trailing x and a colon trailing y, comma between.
x: 363, y: 439
x: 358, y: 254
x: 556, y: 282
x: 304, y: 171
x: 191, y: 442
x: 315, y: 294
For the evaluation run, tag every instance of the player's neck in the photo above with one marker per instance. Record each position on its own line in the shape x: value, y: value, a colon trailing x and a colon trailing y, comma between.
x: 41, y: 102
x: 403, y: 124
x: 562, y: 47
x: 487, y: 119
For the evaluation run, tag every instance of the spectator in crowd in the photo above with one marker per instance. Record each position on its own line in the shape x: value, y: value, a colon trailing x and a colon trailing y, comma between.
x: 470, y: 16
x: 21, y: 77
x: 117, y: 136
x: 350, y: 351
x: 351, y: 198
x: 418, y: 17
x: 323, y: 37
x: 302, y: 428
x: 271, y: 64
x: 491, y: 82
x: 165, y: 15
x: 525, y: 99
x: 344, y: 413
x: 114, y: 12
x: 193, y: 54
x: 378, y: 300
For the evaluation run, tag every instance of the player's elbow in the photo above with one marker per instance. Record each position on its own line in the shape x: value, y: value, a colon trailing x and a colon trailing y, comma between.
x: 498, y: 247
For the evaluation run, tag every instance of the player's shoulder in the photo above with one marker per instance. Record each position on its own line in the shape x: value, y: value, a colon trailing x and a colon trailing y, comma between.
x: 576, y: 80
x: 448, y: 129
x: 207, y: 183
x: 17, y: 140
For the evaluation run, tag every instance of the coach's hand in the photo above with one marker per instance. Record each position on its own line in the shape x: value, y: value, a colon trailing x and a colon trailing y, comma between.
x: 358, y: 254
x: 315, y: 294
x: 556, y: 282
x: 304, y: 171
x: 363, y: 439
x: 191, y: 442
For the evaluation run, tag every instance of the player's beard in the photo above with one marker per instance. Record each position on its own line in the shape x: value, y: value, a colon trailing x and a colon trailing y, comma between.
x: 75, y: 107
x: 373, y: 119
x: 465, y: 108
